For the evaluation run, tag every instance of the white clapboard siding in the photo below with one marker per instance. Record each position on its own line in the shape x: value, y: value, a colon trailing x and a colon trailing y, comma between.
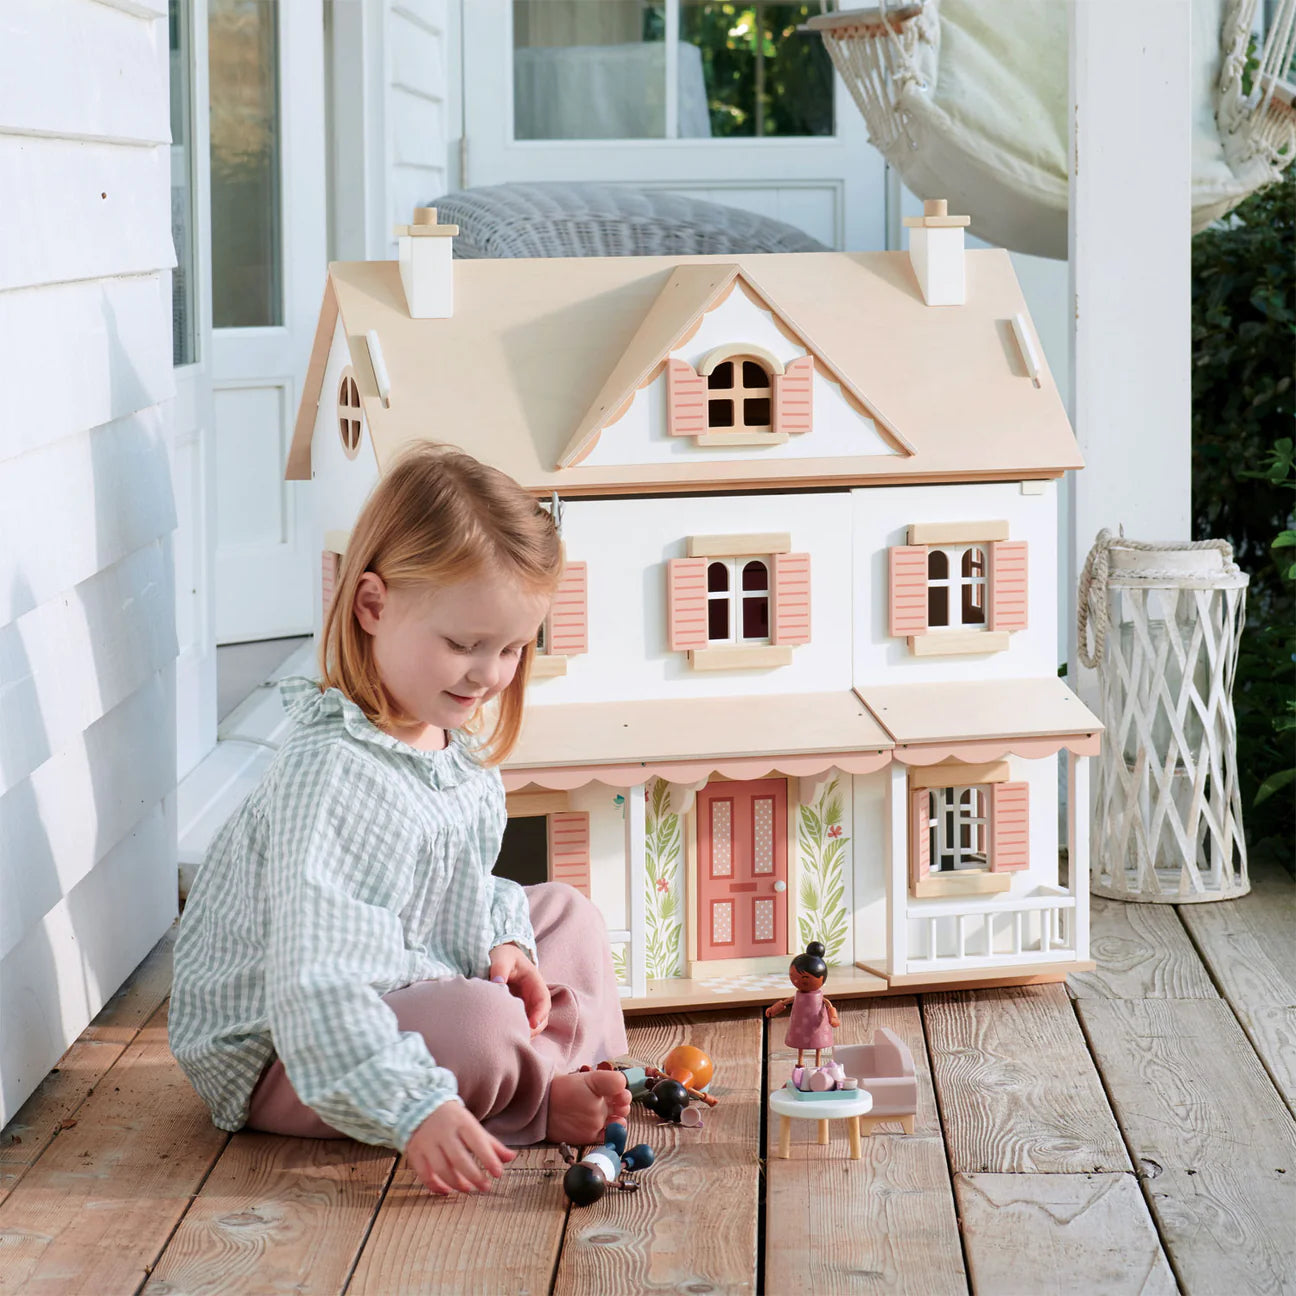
x: 105, y: 332
x: 416, y: 105
x: 89, y: 210
x: 56, y: 825
x: 80, y: 505
x: 69, y: 662
x: 87, y: 577
x: 56, y: 80
x: 71, y: 962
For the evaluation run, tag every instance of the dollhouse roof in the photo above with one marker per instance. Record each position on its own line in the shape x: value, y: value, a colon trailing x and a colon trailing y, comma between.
x: 539, y: 352
x: 686, y: 740
x: 1030, y: 717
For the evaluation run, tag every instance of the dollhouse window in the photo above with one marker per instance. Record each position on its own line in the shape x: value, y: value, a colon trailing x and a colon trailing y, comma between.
x: 564, y: 632
x: 966, y: 836
x: 738, y: 600
x: 958, y: 599
x: 958, y: 828
x: 348, y: 413
x: 957, y: 588
x: 740, y: 395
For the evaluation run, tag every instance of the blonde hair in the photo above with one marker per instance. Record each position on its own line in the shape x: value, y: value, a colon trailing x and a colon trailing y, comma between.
x: 437, y: 517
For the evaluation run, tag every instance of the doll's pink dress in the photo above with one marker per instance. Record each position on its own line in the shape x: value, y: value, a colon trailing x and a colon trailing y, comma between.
x: 808, y: 1027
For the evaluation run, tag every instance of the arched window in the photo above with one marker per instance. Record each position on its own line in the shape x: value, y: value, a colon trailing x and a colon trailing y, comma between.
x: 957, y: 824
x: 718, y: 600
x: 739, y: 395
x: 937, y: 588
x: 973, y: 568
x: 738, y: 600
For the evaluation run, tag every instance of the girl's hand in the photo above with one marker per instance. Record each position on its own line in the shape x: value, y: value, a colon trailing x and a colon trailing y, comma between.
x: 450, y: 1152
x: 775, y: 1008
x: 510, y: 966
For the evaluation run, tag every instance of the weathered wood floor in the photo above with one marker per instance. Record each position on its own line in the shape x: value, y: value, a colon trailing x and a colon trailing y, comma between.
x: 1133, y: 1135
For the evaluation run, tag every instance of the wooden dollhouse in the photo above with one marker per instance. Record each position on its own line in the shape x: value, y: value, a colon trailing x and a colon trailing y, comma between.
x: 800, y: 681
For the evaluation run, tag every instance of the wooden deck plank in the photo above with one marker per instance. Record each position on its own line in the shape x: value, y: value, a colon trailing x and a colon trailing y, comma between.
x: 1017, y: 1088
x: 885, y: 1223
x: 1060, y: 1235
x: 692, y: 1226
x: 94, y: 1212
x: 1142, y: 952
x: 1209, y: 1133
x: 276, y: 1214
x: 503, y: 1240
x: 1250, y: 947
x: 59, y: 1096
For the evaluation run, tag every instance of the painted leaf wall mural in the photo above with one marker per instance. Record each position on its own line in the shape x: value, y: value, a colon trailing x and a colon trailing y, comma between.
x: 822, y: 843
x: 663, y: 908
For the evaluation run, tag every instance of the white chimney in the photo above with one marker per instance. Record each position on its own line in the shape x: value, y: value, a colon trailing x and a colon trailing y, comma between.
x: 425, y: 267
x: 936, y: 253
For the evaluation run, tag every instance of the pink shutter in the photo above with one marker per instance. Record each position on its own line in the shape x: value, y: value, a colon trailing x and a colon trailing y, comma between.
x: 1009, y: 827
x: 791, y: 619
x: 329, y: 568
x: 568, y: 615
x: 919, y: 835
x: 1008, y: 585
x: 908, y: 590
x: 794, y: 396
x: 686, y: 400
x: 569, y: 849
x: 686, y: 603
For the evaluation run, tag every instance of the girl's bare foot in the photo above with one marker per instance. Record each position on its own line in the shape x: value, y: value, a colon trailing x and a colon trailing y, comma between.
x: 581, y: 1105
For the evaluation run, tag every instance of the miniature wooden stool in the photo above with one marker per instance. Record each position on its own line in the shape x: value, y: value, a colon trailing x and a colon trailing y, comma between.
x: 789, y: 1108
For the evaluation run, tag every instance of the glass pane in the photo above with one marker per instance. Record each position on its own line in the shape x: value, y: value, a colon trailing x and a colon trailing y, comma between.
x: 760, y: 75
x: 184, y: 330
x: 246, y: 204
x: 722, y: 375
x: 755, y: 576
x: 589, y: 69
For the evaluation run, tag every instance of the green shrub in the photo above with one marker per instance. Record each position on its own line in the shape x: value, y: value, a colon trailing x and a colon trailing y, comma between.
x: 1244, y: 352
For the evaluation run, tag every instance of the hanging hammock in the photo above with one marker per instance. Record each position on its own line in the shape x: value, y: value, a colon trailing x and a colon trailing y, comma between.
x: 967, y: 99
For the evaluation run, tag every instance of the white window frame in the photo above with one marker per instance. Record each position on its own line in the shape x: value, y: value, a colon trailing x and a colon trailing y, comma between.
x: 958, y: 807
x: 955, y: 584
x: 735, y: 596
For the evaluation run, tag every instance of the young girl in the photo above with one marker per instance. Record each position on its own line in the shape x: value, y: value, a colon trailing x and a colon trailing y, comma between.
x: 347, y: 963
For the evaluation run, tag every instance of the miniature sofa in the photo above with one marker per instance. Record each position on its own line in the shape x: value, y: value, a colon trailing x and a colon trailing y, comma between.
x: 886, y: 1069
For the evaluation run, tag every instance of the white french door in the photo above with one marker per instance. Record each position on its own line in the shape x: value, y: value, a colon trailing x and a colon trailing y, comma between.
x: 268, y: 258
x: 736, y: 107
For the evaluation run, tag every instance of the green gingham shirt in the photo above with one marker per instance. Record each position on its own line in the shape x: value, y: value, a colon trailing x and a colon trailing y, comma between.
x: 359, y: 865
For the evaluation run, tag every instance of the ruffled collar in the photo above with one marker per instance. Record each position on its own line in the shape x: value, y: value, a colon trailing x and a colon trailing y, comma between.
x: 308, y: 704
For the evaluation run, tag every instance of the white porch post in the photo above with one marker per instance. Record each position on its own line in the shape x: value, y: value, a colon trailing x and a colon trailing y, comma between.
x: 897, y: 861
x: 1078, y: 846
x: 636, y: 846
x: 1131, y: 189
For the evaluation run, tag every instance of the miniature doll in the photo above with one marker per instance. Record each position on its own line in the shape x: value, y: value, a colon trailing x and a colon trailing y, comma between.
x: 813, y: 1017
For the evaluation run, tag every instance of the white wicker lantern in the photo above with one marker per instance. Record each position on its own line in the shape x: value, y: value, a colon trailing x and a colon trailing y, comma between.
x: 1167, y: 622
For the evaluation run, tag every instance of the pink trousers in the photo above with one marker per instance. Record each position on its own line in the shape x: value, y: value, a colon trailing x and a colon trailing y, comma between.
x: 479, y: 1030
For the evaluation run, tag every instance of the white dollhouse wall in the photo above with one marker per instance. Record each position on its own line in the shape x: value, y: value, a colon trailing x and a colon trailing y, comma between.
x: 640, y: 436
x: 627, y: 543
x: 870, y: 866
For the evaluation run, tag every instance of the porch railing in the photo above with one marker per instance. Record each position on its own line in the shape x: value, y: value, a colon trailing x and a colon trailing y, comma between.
x: 952, y: 934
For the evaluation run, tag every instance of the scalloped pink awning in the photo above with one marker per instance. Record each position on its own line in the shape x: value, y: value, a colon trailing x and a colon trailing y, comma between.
x: 686, y: 740
x: 983, y: 720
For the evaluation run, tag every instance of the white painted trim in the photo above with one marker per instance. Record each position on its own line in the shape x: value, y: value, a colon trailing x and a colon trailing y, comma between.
x: 637, y: 882
x: 897, y: 852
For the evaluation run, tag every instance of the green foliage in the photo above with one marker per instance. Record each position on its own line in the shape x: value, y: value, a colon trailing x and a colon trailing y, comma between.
x: 1243, y: 476
x: 821, y: 909
x: 664, y: 852
x: 763, y: 76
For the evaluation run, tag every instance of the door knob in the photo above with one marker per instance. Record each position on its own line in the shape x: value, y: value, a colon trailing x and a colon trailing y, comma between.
x: 780, y: 886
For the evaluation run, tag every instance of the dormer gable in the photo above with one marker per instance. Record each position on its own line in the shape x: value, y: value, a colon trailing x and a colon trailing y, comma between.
x: 737, y: 392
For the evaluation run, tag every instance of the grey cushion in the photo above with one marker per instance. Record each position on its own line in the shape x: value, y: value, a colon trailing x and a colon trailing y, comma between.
x: 569, y: 220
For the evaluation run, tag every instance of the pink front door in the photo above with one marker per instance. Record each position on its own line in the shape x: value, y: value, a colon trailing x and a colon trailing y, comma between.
x: 742, y: 869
